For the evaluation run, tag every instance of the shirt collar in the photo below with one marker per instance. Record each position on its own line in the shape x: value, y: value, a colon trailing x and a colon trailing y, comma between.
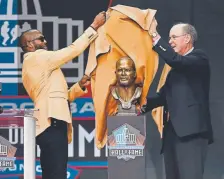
x: 28, y: 53
x: 189, y: 51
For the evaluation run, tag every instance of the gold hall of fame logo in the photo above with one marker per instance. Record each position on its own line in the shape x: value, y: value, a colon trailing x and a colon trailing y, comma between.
x: 13, y: 22
x: 7, y: 153
x: 126, y: 143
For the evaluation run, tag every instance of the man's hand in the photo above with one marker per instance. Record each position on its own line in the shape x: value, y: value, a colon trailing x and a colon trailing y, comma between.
x: 153, y: 26
x: 99, y: 20
x: 153, y: 32
x: 85, y: 81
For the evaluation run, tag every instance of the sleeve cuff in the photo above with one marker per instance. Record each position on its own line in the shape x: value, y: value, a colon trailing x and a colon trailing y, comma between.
x: 156, y: 41
x: 91, y: 33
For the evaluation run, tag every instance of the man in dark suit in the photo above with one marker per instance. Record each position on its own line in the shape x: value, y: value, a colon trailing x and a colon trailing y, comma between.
x: 185, y: 96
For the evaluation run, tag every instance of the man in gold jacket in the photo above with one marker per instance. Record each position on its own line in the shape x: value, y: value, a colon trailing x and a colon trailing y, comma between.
x: 47, y: 87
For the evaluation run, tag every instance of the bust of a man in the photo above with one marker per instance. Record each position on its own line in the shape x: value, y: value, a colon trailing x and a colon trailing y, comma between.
x: 126, y: 91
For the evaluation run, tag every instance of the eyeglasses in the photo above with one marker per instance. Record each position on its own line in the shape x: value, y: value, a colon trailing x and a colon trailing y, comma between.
x: 41, y: 38
x: 174, y: 37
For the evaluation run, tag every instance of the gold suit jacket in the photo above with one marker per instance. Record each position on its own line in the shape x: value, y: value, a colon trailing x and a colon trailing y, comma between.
x: 124, y: 34
x: 46, y: 84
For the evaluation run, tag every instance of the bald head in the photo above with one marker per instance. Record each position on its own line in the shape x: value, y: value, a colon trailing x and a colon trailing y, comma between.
x: 27, y: 36
x: 182, y: 37
x: 186, y: 28
x: 32, y: 40
x: 125, y: 72
x: 126, y: 60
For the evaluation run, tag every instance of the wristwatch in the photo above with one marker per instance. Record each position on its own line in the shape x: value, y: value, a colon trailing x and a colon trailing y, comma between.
x: 154, y: 34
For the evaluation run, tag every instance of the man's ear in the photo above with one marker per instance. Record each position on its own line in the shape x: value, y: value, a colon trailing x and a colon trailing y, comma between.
x: 187, y: 38
x: 29, y: 45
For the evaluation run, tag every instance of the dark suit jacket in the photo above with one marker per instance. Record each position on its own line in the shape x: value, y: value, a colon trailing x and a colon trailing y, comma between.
x: 185, y: 93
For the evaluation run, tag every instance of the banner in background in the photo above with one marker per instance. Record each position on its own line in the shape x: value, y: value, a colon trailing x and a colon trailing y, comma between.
x: 17, y: 16
x: 82, y: 152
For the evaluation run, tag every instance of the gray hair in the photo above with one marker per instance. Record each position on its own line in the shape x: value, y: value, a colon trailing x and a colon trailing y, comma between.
x: 190, y: 29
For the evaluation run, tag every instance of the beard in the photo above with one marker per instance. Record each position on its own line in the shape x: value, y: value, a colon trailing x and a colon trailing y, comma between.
x: 38, y: 47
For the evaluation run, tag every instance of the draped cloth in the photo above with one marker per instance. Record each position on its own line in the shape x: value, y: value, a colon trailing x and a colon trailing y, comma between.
x: 124, y: 34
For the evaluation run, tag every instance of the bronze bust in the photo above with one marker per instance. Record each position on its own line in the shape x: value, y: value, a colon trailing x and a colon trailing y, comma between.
x: 126, y: 92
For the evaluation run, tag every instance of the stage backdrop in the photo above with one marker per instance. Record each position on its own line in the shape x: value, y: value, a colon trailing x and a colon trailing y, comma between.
x: 62, y: 22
